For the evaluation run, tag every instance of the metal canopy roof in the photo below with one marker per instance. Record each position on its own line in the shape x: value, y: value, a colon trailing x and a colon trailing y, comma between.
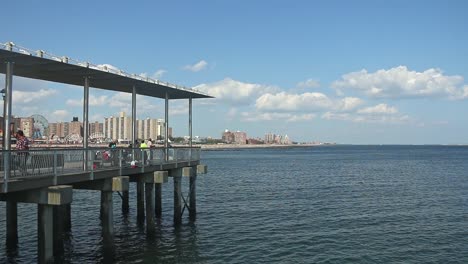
x: 41, y: 68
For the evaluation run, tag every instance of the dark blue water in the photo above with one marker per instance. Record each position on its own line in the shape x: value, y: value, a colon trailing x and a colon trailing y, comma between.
x: 335, y: 204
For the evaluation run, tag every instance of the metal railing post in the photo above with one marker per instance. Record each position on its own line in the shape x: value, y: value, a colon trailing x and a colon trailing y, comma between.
x: 120, y: 161
x: 55, y: 167
x: 142, y: 156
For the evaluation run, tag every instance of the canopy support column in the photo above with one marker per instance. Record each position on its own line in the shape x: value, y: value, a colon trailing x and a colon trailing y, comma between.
x: 85, y: 123
x: 134, y: 127
x: 6, y: 123
x: 166, y: 127
x: 190, y: 128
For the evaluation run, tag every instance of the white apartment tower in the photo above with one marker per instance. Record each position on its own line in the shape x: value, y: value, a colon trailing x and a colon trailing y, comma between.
x: 118, y: 127
x: 121, y: 128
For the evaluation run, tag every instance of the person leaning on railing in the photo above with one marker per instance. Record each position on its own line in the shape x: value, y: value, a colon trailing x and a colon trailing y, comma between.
x: 22, y: 147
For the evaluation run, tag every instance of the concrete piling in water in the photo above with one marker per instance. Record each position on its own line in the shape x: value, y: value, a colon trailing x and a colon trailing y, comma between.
x: 202, y: 169
x: 45, y: 233
x: 140, y: 199
x: 12, y: 224
x: 149, y: 199
x: 60, y: 227
x: 160, y: 177
x: 125, y: 203
x: 107, y: 186
x: 46, y: 199
x: 193, y: 196
x: 177, y: 176
x: 107, y: 217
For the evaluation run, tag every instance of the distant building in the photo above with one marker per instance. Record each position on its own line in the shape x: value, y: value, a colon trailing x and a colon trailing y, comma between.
x: 271, y: 138
x: 75, y: 127
x: 96, y: 127
x: 237, y: 137
x: 57, y: 129
x: 27, y: 125
x: 120, y: 128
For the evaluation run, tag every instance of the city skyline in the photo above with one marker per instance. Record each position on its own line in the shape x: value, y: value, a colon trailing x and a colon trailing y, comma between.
x: 362, y: 72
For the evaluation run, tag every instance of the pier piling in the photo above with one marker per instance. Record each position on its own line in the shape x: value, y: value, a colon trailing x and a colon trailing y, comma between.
x: 125, y: 203
x: 12, y: 224
x: 160, y: 177
x: 140, y: 184
x: 149, y: 198
x: 45, y: 233
x: 193, y: 196
x: 177, y: 199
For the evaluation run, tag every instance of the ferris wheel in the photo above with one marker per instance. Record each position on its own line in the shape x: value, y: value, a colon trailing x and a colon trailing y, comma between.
x: 40, y: 126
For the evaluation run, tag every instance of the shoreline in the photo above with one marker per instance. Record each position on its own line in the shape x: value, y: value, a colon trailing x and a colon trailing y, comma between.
x: 248, y: 146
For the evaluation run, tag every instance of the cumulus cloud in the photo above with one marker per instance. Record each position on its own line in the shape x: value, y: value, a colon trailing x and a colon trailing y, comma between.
x: 381, y: 113
x: 156, y: 75
x: 288, y: 117
x: 235, y: 92
x: 60, y: 115
x: 348, y: 103
x: 310, y: 83
x: 201, y: 65
x: 378, y: 109
x: 399, y: 82
x: 23, y: 97
x: 293, y: 102
x: 304, y: 102
x: 93, y: 101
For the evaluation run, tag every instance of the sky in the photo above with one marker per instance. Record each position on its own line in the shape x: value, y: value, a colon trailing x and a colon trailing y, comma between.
x: 349, y: 72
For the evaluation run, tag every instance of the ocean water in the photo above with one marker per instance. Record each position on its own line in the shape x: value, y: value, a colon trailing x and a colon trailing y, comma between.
x: 333, y: 204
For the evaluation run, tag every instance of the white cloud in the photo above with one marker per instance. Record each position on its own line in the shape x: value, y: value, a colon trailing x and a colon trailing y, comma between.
x: 378, y: 109
x: 60, y: 115
x: 310, y: 83
x: 348, y: 103
x: 27, y: 97
x: 293, y: 102
x: 304, y: 102
x: 201, y: 65
x: 399, y: 82
x: 93, y: 101
x: 157, y: 75
x: 287, y: 117
x: 235, y: 92
x: 368, y: 117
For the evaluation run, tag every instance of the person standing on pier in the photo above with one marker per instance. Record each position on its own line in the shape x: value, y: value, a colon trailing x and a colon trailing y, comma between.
x: 22, y: 146
x: 113, y: 151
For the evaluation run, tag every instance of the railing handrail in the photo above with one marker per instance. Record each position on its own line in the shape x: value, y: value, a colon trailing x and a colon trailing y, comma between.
x: 59, y: 161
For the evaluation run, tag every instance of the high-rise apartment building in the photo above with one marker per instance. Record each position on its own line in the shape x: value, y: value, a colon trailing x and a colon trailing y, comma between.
x: 57, y: 129
x: 75, y: 127
x: 237, y: 137
x: 96, y: 127
x: 119, y: 128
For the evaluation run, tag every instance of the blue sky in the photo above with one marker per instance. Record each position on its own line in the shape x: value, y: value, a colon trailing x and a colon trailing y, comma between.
x: 359, y: 72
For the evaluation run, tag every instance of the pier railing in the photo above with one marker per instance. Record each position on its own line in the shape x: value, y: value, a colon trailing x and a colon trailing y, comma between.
x: 20, y: 165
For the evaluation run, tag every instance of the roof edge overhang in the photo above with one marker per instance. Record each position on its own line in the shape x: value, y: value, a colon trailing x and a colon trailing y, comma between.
x: 64, y: 70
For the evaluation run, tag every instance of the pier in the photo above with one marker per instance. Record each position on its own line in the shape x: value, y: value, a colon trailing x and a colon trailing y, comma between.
x: 49, y: 175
